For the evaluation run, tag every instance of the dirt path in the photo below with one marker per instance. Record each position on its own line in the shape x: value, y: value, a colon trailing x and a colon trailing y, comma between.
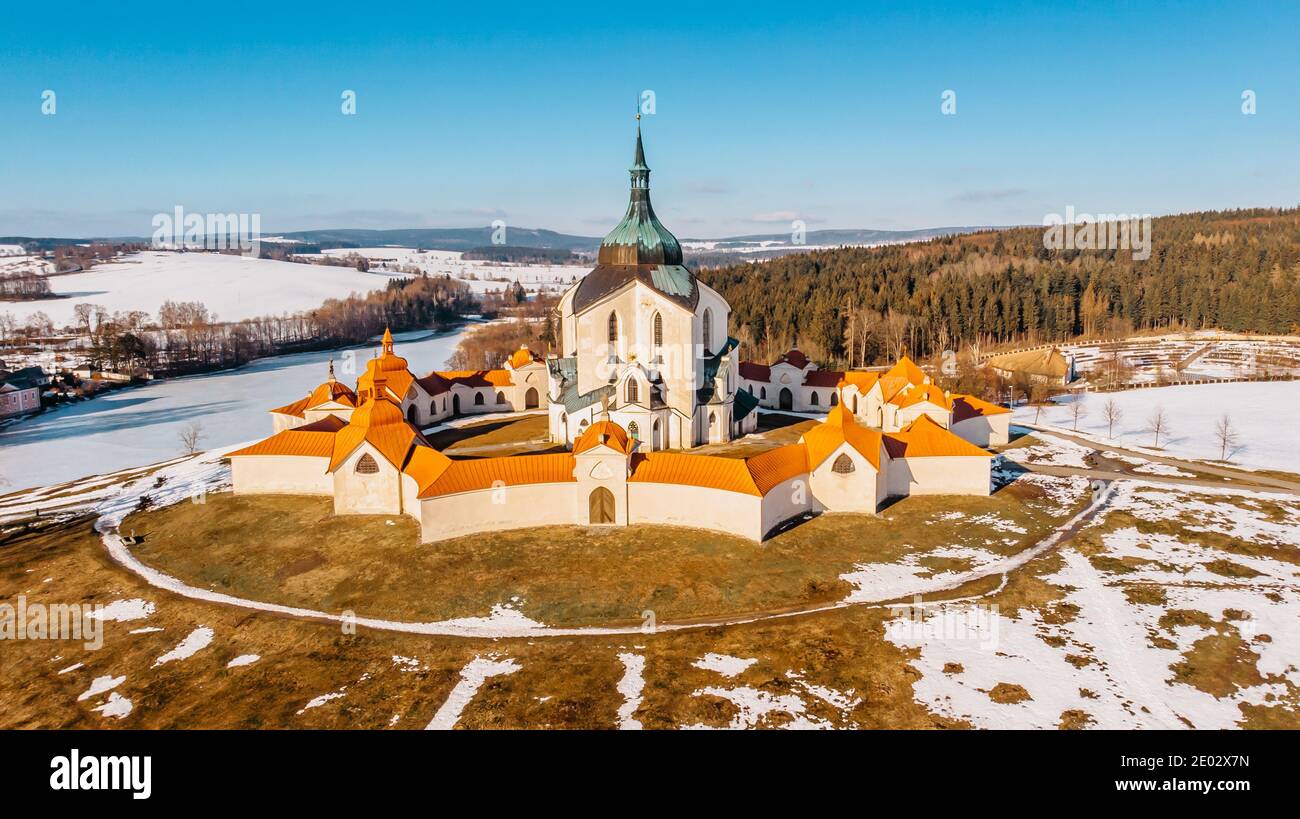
x: 1243, y: 478
x: 513, y: 624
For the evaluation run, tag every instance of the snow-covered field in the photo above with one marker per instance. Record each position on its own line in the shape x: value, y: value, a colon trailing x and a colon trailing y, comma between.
x: 480, y: 276
x: 1115, y: 661
x: 233, y: 287
x: 141, y: 425
x: 19, y: 263
x: 1261, y: 412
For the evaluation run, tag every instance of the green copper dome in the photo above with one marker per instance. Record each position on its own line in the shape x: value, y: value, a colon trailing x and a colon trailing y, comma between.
x: 640, y: 238
x: 639, y: 248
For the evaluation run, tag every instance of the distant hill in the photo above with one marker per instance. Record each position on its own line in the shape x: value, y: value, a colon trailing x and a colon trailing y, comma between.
x: 479, y: 237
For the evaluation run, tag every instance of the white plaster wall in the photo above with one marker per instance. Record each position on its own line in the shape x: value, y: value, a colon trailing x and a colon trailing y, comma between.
x: 734, y: 513
x: 377, y: 494
x: 939, y: 475
x: 281, y: 422
x: 600, y: 466
x: 858, y: 491
x: 280, y: 474
x: 491, y: 510
x: 786, y: 500
x: 907, y: 415
x: 991, y: 430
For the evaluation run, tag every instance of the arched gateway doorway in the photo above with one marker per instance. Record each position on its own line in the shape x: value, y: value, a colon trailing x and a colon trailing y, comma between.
x: 787, y: 399
x: 530, y: 398
x: 600, y: 506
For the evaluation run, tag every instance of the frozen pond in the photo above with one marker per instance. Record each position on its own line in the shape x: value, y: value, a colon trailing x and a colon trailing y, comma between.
x: 142, y: 425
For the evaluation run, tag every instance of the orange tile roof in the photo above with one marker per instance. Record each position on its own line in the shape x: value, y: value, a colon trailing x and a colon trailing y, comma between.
x: 426, y: 465
x: 774, y: 466
x: 335, y: 391
x: 523, y: 357
x: 924, y: 438
x: 477, y: 378
x: 968, y: 406
x: 907, y: 368
x: 297, y: 409
x: 927, y: 392
x: 859, y: 378
x: 709, y: 471
x: 512, y: 470
x: 379, y: 423
x: 840, y: 427
x: 607, y: 433
x: 314, y: 440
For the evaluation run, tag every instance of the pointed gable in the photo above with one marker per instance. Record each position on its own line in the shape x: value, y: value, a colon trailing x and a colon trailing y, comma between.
x: 839, y: 428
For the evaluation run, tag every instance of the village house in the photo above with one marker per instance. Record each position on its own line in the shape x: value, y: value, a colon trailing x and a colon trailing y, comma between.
x: 20, y: 391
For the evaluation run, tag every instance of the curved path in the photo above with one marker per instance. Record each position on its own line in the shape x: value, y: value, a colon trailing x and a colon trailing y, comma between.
x: 506, y: 623
x: 1242, y: 478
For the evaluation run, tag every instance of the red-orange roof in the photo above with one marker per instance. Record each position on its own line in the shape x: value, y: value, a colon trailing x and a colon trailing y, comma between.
x: 605, y: 433
x: 839, y: 428
x: 924, y: 438
x: 523, y: 357
x: 755, y: 372
x: 297, y: 409
x: 709, y: 471
x: 774, y: 466
x: 968, y: 406
x: 925, y: 392
x: 512, y: 470
x: 379, y: 423
x: 822, y: 378
x: 477, y: 378
x: 335, y: 391
x: 794, y: 358
x: 314, y: 440
x: 426, y: 465
x: 859, y: 378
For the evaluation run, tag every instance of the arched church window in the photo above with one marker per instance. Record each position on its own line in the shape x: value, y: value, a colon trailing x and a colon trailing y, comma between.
x: 501, y: 397
x: 814, y: 400
x: 563, y: 417
x: 764, y: 391
x: 613, y: 327
x: 634, y: 430
x: 713, y: 419
x: 708, y: 330
x: 631, y: 391
x: 843, y: 465
x: 835, y: 398
x: 478, y: 399
x: 366, y: 465
x: 659, y: 330
x: 433, y: 408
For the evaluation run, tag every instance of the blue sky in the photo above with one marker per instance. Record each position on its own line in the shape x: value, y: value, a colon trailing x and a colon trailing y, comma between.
x: 764, y: 113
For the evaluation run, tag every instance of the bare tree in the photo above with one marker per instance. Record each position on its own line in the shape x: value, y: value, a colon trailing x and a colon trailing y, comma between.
x: 1226, y: 434
x: 1159, y: 424
x: 1113, y: 415
x: 1078, y: 410
x: 190, y: 436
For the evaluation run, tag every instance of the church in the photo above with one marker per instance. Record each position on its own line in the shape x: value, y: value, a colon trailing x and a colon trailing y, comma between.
x: 645, y: 343
x: 646, y: 370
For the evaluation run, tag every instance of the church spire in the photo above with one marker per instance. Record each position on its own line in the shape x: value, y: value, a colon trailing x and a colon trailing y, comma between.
x: 388, y: 342
x: 639, y: 170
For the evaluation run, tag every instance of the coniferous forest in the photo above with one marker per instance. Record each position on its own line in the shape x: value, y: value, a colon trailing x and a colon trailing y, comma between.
x: 1231, y: 270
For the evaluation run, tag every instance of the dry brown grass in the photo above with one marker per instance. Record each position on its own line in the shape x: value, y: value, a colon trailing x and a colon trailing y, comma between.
x: 292, y: 550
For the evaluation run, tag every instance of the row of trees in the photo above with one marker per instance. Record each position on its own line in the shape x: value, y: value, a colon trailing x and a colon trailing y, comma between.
x: 187, y: 337
x: 1234, y: 270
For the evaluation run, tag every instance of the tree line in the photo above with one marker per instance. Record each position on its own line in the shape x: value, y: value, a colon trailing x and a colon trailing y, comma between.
x: 1233, y: 270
